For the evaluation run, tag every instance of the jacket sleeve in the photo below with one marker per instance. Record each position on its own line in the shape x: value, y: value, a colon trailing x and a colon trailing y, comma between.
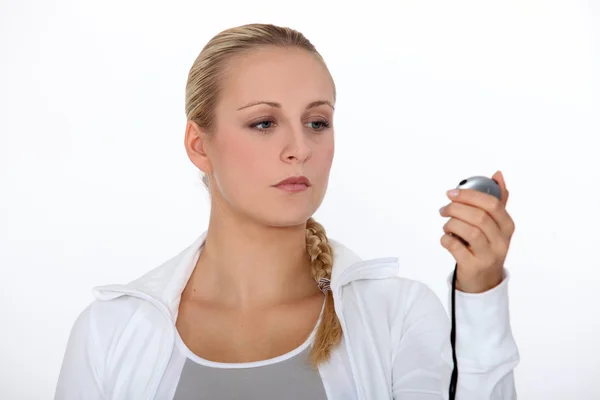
x: 485, y: 348
x: 80, y: 374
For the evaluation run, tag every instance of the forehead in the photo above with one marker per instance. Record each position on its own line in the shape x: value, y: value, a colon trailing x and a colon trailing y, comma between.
x: 286, y: 75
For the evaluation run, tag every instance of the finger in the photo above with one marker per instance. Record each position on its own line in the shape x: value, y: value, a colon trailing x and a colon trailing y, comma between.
x: 477, y: 242
x: 473, y: 216
x: 457, y: 249
x: 490, y: 204
x: 499, y: 178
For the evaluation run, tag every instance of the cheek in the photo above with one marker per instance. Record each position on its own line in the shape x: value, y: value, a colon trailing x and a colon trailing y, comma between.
x: 324, y: 157
x: 330, y: 154
x: 237, y: 160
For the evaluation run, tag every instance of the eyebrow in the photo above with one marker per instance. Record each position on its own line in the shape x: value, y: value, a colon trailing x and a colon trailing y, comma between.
x: 277, y: 105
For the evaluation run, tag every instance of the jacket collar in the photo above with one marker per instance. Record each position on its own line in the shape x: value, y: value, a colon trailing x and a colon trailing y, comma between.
x: 166, y: 282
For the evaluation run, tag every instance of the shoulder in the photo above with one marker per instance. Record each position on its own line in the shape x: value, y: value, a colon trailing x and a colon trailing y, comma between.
x: 398, y: 300
x: 396, y: 313
x: 379, y: 284
x: 104, y: 323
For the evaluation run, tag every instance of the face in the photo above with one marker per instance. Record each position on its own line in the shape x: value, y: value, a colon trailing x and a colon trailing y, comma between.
x: 274, y: 121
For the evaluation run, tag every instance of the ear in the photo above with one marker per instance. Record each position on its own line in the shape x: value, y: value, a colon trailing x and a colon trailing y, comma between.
x: 196, y: 143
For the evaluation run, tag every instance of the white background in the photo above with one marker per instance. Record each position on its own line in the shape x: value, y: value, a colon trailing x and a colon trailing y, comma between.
x: 95, y: 186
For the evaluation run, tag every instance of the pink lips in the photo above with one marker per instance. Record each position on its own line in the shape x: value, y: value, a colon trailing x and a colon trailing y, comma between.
x: 294, y: 184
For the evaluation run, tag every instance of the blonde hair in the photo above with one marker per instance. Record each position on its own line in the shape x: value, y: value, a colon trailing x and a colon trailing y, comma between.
x: 201, y: 96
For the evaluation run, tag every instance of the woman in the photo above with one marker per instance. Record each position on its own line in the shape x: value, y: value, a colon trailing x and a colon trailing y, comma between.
x: 263, y: 305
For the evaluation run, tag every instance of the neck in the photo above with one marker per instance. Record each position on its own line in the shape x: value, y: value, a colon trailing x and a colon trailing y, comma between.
x: 245, y: 264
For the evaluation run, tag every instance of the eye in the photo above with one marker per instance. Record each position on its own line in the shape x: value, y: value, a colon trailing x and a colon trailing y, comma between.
x: 319, y: 125
x: 263, y: 126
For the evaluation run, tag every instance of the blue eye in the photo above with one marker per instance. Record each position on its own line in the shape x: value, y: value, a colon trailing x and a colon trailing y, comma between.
x: 263, y: 126
x: 266, y: 124
x: 319, y: 125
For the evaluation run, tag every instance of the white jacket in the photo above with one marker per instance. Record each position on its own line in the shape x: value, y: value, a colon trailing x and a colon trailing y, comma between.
x: 396, y: 337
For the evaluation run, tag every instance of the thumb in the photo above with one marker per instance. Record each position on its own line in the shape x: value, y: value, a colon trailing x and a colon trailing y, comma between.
x: 499, y: 178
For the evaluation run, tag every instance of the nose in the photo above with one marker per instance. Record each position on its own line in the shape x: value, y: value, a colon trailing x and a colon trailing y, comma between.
x: 297, y: 147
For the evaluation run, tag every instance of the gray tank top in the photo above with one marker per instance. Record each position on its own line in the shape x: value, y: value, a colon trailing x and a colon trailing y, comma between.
x: 292, y: 379
x: 289, y: 376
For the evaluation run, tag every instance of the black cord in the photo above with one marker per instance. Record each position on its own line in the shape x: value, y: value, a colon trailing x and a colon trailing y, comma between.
x: 454, y: 378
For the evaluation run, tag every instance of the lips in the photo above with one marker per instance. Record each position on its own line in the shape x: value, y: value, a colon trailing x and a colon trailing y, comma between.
x: 295, y: 180
x: 294, y: 184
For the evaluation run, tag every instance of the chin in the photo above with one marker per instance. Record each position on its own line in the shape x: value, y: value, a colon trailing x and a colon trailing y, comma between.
x: 280, y: 211
x: 285, y: 220
x: 283, y: 217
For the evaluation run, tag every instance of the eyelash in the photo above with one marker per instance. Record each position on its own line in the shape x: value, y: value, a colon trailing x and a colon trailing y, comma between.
x: 325, y: 124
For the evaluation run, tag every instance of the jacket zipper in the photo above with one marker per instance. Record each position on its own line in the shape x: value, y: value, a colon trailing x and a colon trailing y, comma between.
x: 341, y: 282
x: 338, y: 306
x: 165, y: 362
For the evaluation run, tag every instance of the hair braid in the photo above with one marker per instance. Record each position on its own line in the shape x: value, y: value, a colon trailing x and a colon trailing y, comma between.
x: 329, y: 333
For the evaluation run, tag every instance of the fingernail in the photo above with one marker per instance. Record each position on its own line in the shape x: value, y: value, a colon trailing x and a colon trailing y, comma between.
x: 453, y: 193
x: 442, y: 209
